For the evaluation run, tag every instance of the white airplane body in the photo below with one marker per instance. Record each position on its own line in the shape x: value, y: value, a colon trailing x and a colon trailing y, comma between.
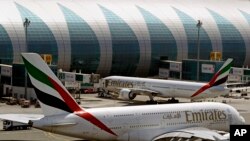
x: 137, y: 123
x: 128, y: 87
x: 239, y: 87
x: 164, y: 88
x: 62, y: 115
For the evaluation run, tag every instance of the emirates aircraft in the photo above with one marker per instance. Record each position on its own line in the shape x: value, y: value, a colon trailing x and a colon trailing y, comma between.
x: 128, y: 87
x: 62, y: 115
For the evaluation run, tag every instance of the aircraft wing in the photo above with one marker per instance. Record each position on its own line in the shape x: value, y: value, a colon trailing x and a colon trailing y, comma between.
x: 136, y: 91
x: 22, y: 118
x: 143, y: 91
x: 193, y: 132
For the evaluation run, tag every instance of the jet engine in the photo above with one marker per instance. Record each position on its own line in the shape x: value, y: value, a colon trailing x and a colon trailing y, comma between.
x: 126, y: 94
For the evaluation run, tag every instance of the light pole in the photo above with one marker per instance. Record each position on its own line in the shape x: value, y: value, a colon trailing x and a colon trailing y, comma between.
x: 198, y: 25
x: 26, y: 24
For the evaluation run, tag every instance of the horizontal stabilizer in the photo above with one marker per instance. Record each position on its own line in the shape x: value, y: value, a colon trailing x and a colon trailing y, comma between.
x: 22, y: 118
x: 64, y: 124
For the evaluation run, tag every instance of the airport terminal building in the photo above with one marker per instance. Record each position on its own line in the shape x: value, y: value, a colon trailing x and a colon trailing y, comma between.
x: 117, y: 37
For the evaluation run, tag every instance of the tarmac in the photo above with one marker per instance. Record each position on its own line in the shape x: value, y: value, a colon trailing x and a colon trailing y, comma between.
x: 91, y: 101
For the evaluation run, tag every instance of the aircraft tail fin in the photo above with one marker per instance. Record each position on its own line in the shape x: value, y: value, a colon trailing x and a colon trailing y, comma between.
x: 220, y: 77
x: 52, y: 95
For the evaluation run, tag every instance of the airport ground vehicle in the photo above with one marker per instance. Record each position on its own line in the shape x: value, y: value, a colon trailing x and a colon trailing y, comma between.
x: 88, y: 91
x: 37, y: 104
x: 25, y: 104
x: 12, y: 101
x: 12, y: 125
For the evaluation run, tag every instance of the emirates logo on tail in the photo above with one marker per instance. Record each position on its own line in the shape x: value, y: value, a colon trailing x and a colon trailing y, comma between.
x: 219, y: 78
x: 51, y: 92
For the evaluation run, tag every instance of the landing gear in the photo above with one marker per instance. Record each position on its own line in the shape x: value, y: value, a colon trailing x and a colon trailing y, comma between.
x: 151, y: 102
x: 104, y: 94
x: 101, y: 94
x: 173, y: 100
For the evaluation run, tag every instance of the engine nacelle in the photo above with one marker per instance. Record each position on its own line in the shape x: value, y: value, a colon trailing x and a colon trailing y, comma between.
x: 126, y: 94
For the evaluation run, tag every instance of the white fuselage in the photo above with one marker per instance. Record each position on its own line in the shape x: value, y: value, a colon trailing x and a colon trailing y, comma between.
x: 164, y: 88
x: 142, y: 122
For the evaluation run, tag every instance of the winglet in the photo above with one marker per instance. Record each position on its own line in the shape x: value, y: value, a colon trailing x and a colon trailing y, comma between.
x: 219, y: 78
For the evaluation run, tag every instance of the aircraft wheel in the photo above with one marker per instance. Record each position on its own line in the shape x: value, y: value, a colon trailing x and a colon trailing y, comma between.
x: 176, y: 101
x: 173, y: 100
x: 151, y: 102
x: 100, y: 94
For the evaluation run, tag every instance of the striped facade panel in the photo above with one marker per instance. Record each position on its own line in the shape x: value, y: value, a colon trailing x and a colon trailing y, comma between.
x: 124, y: 38
x: 85, y: 49
x: 6, y: 48
x: 39, y: 37
x: 163, y: 43
x: 126, y: 51
x: 247, y: 35
x: 192, y: 37
x: 232, y: 42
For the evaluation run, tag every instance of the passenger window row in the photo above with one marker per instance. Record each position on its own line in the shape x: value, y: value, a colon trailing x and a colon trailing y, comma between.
x: 124, y: 115
x: 147, y: 125
x: 119, y: 127
x: 157, y: 113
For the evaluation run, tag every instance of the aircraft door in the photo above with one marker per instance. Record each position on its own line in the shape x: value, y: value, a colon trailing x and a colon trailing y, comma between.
x: 107, y: 117
x: 230, y: 116
x: 138, y: 135
x: 233, y: 117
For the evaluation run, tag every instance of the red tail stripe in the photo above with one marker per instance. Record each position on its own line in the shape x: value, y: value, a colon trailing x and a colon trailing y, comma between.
x: 211, y: 83
x: 95, y: 121
x: 77, y: 109
x: 208, y: 85
x: 66, y: 96
x: 202, y: 89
